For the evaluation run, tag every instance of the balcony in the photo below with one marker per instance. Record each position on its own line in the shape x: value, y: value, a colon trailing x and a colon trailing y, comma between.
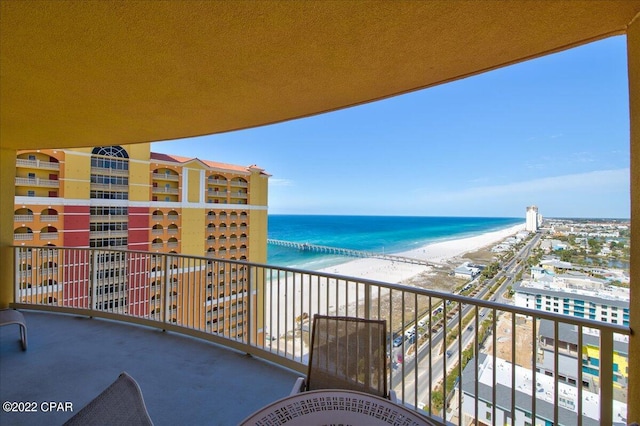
x: 23, y: 218
x: 483, y: 348
x: 109, y: 187
x: 164, y: 190
x: 184, y: 380
x: 37, y: 164
x: 48, y: 183
x: 166, y: 176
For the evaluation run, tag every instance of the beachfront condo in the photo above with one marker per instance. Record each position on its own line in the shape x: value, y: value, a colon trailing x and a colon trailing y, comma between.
x: 129, y: 198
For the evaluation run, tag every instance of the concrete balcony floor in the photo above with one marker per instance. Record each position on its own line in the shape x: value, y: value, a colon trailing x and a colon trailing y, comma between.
x: 185, y: 381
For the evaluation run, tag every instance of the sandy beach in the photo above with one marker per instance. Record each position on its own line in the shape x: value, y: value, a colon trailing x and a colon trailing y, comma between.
x: 303, y: 295
x: 440, y: 252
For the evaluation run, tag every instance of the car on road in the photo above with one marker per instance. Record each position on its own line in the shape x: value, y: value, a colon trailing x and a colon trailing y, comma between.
x: 449, y: 353
x: 397, y: 341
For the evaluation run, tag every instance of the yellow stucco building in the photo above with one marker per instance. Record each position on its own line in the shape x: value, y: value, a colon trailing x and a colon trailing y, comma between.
x: 127, y: 197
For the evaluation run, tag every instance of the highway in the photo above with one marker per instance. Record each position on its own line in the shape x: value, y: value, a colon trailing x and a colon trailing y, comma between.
x: 405, y: 372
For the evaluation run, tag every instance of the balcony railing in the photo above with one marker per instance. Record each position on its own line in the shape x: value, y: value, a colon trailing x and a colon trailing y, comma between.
x: 23, y: 236
x: 49, y: 218
x: 37, y: 164
x: 109, y: 186
x: 23, y: 218
x: 49, y: 183
x: 497, y: 364
x: 109, y: 218
x: 166, y: 176
x: 239, y: 183
x: 164, y: 190
x: 48, y: 236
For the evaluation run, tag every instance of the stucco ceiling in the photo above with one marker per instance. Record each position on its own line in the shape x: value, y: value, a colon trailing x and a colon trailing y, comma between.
x: 86, y: 73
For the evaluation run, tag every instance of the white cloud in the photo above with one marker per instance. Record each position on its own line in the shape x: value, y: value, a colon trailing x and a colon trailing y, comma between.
x: 592, y: 181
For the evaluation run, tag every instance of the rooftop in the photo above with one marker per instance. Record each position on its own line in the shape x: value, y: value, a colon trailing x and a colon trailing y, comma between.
x: 183, y: 380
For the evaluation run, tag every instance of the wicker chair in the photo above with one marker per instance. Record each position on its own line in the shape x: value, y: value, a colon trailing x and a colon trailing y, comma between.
x: 347, y: 353
x: 119, y: 404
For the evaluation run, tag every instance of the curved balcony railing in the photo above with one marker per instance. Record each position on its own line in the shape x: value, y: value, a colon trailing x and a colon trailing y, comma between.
x: 451, y: 356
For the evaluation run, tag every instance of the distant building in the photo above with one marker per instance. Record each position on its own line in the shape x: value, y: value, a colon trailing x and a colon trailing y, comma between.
x: 532, y: 219
x: 568, y: 353
x: 526, y: 389
x: 564, y: 294
x: 467, y: 270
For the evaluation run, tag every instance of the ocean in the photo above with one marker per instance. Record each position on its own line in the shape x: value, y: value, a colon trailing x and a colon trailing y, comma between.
x: 384, y: 234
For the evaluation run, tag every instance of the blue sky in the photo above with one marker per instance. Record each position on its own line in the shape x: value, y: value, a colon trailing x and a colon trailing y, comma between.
x: 553, y: 132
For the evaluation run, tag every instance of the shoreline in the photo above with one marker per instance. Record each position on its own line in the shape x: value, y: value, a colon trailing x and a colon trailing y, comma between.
x: 372, y: 269
x: 438, y: 252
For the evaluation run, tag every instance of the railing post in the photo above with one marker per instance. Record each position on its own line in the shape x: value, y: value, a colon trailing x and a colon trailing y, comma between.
x: 93, y: 280
x: 367, y: 301
x: 606, y: 376
x: 250, y: 314
x: 16, y: 273
x: 165, y: 283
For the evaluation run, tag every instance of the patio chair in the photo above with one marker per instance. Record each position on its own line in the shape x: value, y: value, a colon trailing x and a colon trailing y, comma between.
x: 119, y: 404
x: 347, y: 353
x: 12, y: 316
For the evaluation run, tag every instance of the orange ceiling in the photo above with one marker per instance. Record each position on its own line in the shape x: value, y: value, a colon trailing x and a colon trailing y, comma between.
x: 86, y: 73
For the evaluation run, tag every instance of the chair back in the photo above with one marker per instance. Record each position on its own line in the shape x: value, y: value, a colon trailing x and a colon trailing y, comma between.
x: 119, y: 404
x: 348, y: 353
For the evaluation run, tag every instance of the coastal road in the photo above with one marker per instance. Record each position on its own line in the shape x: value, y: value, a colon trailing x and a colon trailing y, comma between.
x: 407, y: 371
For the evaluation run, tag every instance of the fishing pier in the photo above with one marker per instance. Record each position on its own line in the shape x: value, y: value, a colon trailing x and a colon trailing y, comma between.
x: 348, y: 252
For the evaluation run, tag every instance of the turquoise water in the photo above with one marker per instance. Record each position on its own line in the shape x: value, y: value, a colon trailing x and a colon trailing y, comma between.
x: 384, y: 234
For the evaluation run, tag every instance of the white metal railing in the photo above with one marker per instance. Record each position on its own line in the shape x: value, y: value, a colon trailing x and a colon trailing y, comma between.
x: 216, y: 182
x: 49, y: 183
x: 23, y: 218
x: 37, y: 164
x: 452, y: 356
x: 239, y: 183
x: 238, y: 194
x: 49, y: 218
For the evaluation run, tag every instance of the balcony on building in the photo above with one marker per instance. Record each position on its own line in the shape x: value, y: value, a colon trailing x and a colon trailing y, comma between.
x: 31, y: 161
x: 37, y: 182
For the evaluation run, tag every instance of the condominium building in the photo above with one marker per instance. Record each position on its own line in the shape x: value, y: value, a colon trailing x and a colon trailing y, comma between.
x: 129, y: 198
x: 532, y: 222
x: 589, y: 354
x: 495, y: 405
x: 561, y: 294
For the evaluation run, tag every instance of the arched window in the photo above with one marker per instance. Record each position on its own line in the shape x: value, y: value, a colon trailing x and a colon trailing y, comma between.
x: 110, y: 151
